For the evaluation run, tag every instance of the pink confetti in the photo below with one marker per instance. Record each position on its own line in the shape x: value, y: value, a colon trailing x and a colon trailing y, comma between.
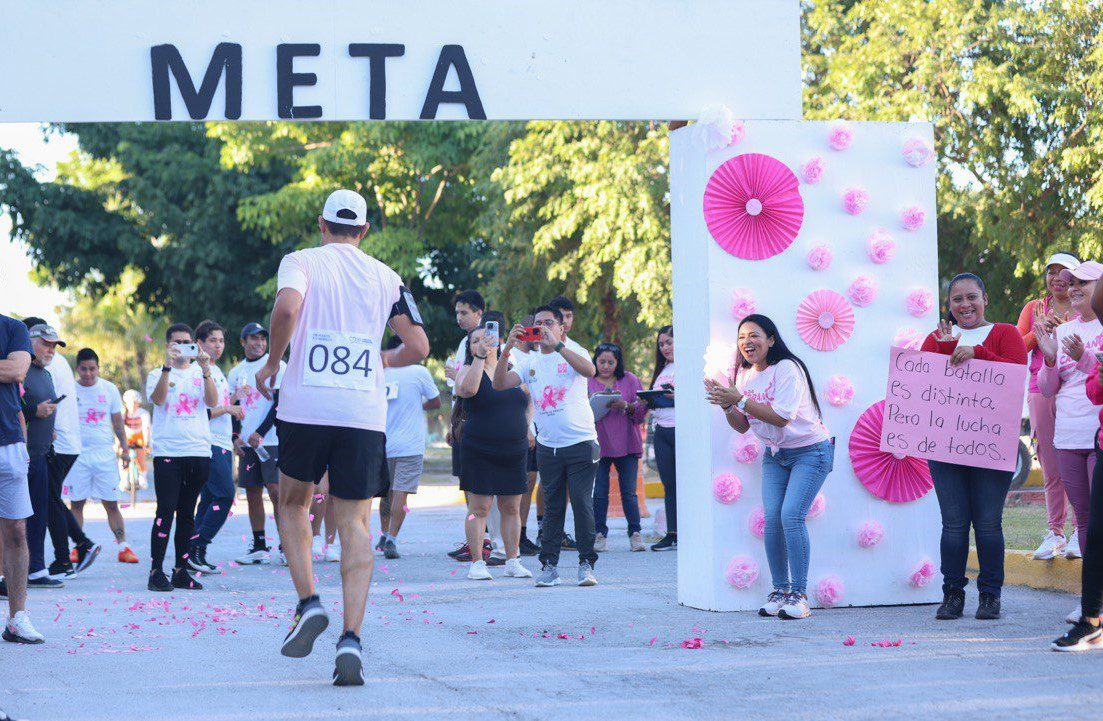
x: 405, y: 508
x: 471, y: 517
x: 653, y: 640
x: 398, y: 595
x: 562, y: 636
x: 168, y: 460
x: 849, y: 641
x: 148, y: 339
x: 162, y: 535
x: 694, y: 642
x: 214, y: 508
x: 472, y: 633
x: 158, y: 523
x: 124, y: 505
x: 491, y: 621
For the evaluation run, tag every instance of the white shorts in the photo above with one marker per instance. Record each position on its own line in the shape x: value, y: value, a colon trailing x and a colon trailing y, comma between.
x: 95, y: 474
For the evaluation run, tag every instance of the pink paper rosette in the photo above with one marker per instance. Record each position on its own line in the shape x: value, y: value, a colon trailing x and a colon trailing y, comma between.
x: 743, y: 303
x: 840, y: 391
x: 870, y: 534
x: 862, y: 291
x: 880, y: 247
x: 819, y: 505
x: 920, y: 302
x: 917, y: 152
x: 825, y: 320
x: 829, y: 591
x: 913, y: 218
x: 745, y: 447
x: 899, y: 479
x: 909, y: 338
x: 727, y: 488
x: 819, y: 258
x: 741, y: 573
x: 921, y: 576
x: 756, y: 522
x: 753, y: 206
x: 855, y: 201
x: 812, y: 170
x: 840, y: 136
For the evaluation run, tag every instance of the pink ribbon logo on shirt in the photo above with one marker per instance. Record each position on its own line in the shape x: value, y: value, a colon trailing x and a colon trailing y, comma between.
x: 552, y: 397
x: 93, y: 416
x: 185, y: 405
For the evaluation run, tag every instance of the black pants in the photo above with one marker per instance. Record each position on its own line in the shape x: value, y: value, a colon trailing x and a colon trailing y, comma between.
x: 177, y: 482
x: 38, y: 481
x: 61, y: 523
x: 1091, y: 584
x: 664, y: 459
x: 563, y: 472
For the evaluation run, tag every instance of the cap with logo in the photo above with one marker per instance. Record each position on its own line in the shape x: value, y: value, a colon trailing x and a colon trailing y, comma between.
x: 252, y: 329
x: 346, y: 207
x: 46, y: 333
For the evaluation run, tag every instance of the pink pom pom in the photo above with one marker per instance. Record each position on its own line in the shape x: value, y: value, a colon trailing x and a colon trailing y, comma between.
x: 920, y: 302
x: 720, y: 360
x: 812, y: 171
x: 741, y: 573
x: 862, y: 291
x: 745, y: 447
x: 756, y: 522
x: 840, y: 391
x: 830, y: 590
x: 913, y: 218
x: 922, y: 575
x: 841, y: 136
x: 855, y: 201
x: 917, y: 152
x: 870, y: 534
x: 727, y: 488
x: 719, y: 128
x: 738, y: 132
x: 880, y: 246
x: 908, y: 338
x: 819, y: 258
x: 819, y: 505
x: 743, y: 303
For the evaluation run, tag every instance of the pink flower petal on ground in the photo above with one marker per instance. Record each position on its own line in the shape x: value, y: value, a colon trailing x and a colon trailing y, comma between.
x: 691, y: 643
x: 491, y: 621
x: 849, y: 641
x: 563, y: 636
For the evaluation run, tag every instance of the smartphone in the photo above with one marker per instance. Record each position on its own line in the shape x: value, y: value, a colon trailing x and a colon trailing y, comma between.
x: 531, y: 335
x: 188, y: 350
x: 491, y: 329
x: 59, y: 399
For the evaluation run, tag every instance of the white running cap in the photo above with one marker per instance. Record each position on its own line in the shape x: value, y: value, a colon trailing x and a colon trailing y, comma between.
x: 1064, y: 260
x: 346, y: 207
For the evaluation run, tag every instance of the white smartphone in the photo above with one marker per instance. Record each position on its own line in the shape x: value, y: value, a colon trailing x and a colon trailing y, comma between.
x: 188, y: 350
x: 492, y: 329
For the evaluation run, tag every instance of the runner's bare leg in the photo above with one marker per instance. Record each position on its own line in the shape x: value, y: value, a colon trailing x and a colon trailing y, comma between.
x: 293, y: 523
x: 357, y: 563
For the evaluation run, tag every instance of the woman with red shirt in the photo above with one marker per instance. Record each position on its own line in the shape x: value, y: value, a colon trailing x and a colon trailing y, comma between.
x: 970, y: 496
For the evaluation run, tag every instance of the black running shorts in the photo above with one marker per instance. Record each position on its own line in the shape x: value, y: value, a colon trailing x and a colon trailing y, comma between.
x: 355, y: 458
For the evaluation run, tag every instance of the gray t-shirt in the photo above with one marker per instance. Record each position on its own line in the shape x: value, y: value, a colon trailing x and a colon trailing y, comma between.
x: 38, y: 387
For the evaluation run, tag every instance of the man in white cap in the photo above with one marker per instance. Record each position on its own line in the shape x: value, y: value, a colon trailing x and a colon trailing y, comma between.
x: 332, y: 306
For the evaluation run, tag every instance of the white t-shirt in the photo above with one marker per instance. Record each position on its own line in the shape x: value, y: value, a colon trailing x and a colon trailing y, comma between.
x: 335, y: 376
x: 783, y: 387
x: 222, y: 428
x: 1077, y: 417
x: 515, y: 357
x: 96, y: 404
x: 407, y: 390
x: 664, y: 417
x: 243, y: 376
x: 562, y: 407
x: 180, y: 425
x: 66, y: 424
x: 973, y: 336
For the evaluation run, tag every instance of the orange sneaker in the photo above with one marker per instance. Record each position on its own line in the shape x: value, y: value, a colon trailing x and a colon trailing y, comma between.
x: 74, y: 557
x: 127, y: 555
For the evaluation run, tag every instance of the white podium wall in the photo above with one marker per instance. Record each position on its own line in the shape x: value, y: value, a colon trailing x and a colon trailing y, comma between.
x: 705, y: 275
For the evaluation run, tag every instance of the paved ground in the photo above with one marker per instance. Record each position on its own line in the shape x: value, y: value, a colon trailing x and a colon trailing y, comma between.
x: 440, y: 646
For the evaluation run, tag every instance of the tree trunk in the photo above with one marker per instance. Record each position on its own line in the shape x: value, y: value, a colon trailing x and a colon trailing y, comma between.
x: 610, y: 327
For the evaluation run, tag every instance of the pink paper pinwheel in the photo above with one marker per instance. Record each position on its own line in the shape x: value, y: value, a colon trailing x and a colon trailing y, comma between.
x: 753, y: 206
x: 825, y: 320
x: 899, y: 479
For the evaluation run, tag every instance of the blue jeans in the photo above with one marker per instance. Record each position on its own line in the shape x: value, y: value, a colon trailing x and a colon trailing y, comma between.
x: 971, y: 496
x: 38, y: 479
x: 791, y: 478
x: 217, y: 491
x: 627, y: 468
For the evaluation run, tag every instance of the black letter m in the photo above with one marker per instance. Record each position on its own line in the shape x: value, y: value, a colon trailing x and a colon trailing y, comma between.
x: 226, y: 59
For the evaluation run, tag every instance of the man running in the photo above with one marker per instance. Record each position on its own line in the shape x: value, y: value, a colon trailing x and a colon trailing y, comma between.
x: 94, y: 475
x: 257, y: 436
x: 332, y: 306
x: 138, y: 429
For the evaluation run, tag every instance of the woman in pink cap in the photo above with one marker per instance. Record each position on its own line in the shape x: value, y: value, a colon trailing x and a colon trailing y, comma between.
x: 1068, y: 358
x: 1055, y: 308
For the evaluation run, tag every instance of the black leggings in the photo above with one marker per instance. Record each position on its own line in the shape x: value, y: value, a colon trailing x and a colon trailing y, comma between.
x: 664, y: 459
x: 1091, y: 583
x: 177, y: 482
x: 61, y: 524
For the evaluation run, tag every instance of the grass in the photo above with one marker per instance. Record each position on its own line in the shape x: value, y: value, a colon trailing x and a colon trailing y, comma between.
x: 1023, y: 526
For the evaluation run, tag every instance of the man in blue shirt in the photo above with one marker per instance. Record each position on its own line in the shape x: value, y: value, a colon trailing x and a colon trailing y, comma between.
x: 15, y: 497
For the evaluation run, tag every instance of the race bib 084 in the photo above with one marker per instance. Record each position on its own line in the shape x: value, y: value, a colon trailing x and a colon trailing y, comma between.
x: 339, y: 360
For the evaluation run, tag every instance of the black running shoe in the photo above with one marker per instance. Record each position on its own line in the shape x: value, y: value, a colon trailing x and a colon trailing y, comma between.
x: 197, y: 560
x: 3, y: 588
x: 349, y: 668
x: 528, y: 548
x: 44, y: 582
x: 953, y: 605
x: 669, y: 542
x: 183, y: 580
x: 158, y: 581
x: 382, y: 542
x: 390, y: 550
x: 61, y: 569
x: 569, y: 542
x: 989, y: 607
x: 86, y: 555
x: 310, y: 620
x: 1083, y: 636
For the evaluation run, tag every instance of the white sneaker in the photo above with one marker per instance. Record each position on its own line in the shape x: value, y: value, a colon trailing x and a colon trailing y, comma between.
x: 333, y: 552
x: 318, y: 547
x: 20, y: 630
x: 795, y: 606
x: 774, y: 602
x: 1072, y: 549
x: 253, y: 557
x: 479, y: 572
x: 515, y: 569
x: 281, y: 559
x: 1052, y: 545
x: 635, y: 542
x: 600, y: 543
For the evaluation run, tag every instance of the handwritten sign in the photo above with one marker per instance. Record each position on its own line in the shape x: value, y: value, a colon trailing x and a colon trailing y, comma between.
x: 967, y: 414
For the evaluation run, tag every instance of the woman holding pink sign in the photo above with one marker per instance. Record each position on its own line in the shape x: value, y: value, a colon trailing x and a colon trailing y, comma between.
x: 967, y: 495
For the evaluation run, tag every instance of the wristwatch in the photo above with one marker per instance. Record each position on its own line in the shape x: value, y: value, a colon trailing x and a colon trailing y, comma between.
x: 742, y: 404
x: 166, y: 369
x: 560, y: 346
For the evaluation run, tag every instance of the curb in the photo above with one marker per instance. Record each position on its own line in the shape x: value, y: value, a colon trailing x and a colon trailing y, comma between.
x: 1020, y: 569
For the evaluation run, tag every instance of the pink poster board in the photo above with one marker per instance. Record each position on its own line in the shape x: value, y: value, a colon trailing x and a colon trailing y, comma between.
x: 968, y: 414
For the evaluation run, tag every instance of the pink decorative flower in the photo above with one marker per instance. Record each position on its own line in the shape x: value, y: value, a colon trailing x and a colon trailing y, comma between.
x: 830, y: 590
x: 913, y: 218
x: 753, y: 207
x: 819, y: 505
x: 743, y: 303
x: 720, y: 359
x: 756, y: 522
x: 819, y: 258
x: 855, y: 201
x: 812, y: 170
x: 870, y: 534
x: 719, y: 128
x: 727, y: 488
x: 920, y: 302
x: 840, y: 391
x: 745, y: 447
x: 841, y: 136
x: 741, y: 573
x: 880, y: 246
x: 862, y: 291
x: 922, y: 575
x: 909, y: 338
x: 917, y: 152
